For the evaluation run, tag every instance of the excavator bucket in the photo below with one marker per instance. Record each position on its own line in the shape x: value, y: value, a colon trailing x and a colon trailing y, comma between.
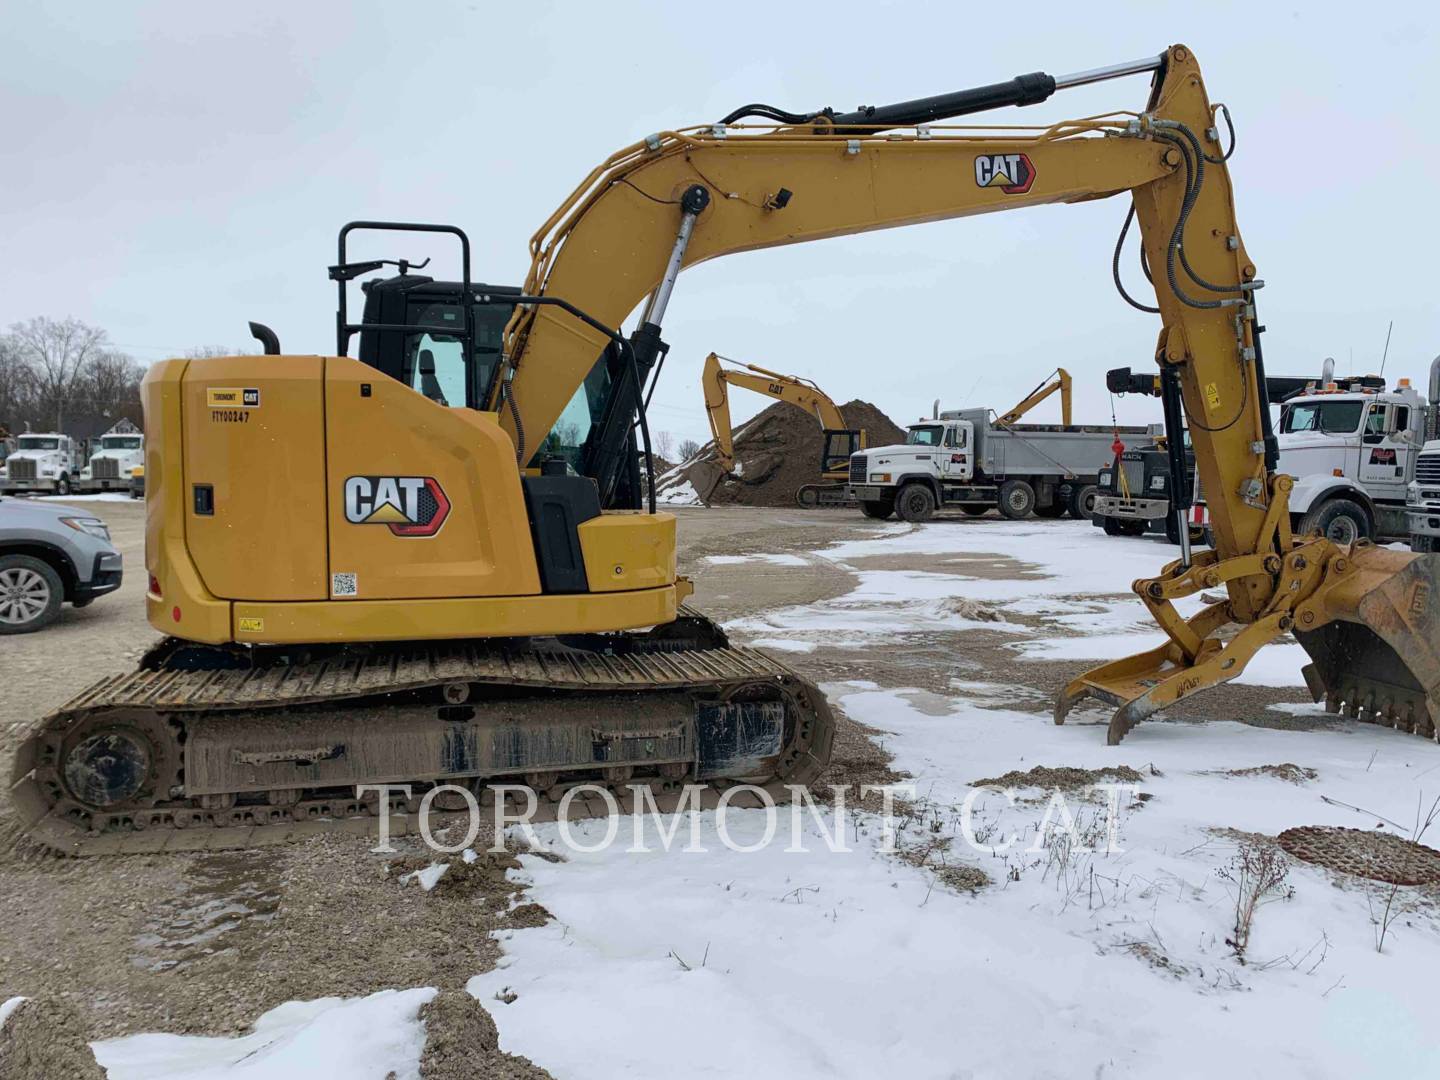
x: 1373, y: 639
x: 1378, y: 660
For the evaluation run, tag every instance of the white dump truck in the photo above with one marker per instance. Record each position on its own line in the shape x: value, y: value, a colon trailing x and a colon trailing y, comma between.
x: 113, y: 462
x: 1353, y: 446
x: 42, y: 462
x: 967, y: 460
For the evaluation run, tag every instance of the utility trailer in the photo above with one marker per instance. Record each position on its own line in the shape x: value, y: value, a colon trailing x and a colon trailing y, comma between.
x: 967, y: 460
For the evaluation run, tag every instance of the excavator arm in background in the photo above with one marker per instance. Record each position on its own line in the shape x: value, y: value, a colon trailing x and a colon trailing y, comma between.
x: 715, y: 380
x: 1369, y: 618
x: 1060, y: 382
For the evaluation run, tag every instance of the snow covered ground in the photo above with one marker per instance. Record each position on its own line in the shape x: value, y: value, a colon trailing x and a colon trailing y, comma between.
x: 1089, y: 953
x: 1070, y: 963
x: 328, y: 1039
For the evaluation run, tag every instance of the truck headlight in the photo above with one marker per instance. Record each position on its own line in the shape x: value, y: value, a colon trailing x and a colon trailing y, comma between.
x: 879, y: 478
x: 47, y: 472
x: 1157, y: 483
x: 93, y: 526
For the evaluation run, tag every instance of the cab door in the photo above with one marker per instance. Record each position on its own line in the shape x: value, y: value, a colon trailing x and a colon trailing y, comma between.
x: 1384, y: 456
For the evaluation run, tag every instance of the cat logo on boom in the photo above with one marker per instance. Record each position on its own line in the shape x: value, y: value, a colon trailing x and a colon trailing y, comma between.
x: 1011, y: 173
x: 409, y: 505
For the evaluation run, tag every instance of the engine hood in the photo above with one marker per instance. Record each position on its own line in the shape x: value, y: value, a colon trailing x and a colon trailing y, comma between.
x: 901, y: 449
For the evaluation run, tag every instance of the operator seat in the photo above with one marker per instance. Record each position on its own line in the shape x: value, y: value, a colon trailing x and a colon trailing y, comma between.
x: 429, y: 384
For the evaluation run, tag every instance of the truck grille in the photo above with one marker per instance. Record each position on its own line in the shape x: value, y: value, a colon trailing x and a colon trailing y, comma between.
x: 20, y: 469
x: 1134, y: 477
x: 105, y: 469
x: 1427, y: 468
x: 857, y: 469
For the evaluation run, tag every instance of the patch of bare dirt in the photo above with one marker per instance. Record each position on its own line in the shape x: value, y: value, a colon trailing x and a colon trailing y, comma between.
x: 1291, y: 774
x: 1060, y: 778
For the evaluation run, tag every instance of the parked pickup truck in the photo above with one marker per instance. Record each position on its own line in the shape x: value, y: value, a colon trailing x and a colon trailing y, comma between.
x: 965, y: 459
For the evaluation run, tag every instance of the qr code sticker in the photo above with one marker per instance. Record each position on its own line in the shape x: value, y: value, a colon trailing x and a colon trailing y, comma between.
x: 343, y: 585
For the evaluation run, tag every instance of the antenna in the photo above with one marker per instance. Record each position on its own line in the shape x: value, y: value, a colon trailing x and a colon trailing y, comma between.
x: 1385, y: 355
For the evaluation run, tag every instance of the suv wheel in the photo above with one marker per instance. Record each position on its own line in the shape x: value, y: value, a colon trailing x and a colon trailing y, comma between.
x: 31, y: 593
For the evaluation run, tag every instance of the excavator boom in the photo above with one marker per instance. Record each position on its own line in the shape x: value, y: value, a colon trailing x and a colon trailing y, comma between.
x: 839, y: 441
x: 1061, y: 383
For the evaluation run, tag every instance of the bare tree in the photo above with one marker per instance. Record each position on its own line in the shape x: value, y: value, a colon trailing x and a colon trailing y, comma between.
x: 110, y: 386
x: 664, y: 444
x: 56, y: 353
x: 688, y: 449
x: 17, y: 388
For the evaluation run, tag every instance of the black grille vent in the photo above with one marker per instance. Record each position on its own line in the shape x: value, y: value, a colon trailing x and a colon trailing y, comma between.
x: 1427, y: 468
x: 21, y: 468
x: 857, y: 469
x: 105, y: 468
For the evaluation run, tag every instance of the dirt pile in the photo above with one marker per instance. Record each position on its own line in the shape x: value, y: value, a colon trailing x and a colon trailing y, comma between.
x: 776, y: 452
x: 462, y: 1043
x: 44, y: 1039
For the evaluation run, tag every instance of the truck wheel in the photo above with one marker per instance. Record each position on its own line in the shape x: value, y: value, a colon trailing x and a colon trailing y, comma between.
x: 1017, y: 499
x: 1172, y: 532
x: 31, y: 593
x: 1081, y: 503
x: 916, y: 502
x: 1342, y: 521
x: 877, y: 509
x: 975, y: 509
x: 62, y: 486
x: 1054, y: 510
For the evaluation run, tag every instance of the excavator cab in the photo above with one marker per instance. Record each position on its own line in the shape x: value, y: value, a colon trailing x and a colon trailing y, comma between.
x: 839, y: 445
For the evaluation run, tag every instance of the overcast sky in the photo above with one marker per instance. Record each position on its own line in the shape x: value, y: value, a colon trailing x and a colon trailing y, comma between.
x: 172, y: 170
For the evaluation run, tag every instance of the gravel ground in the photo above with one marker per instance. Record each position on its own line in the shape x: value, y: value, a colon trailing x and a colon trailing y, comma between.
x: 187, y: 943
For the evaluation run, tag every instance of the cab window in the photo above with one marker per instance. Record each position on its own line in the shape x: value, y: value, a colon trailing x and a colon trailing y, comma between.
x: 567, y: 438
x: 1375, y: 422
x: 926, y: 436
x: 1332, y: 417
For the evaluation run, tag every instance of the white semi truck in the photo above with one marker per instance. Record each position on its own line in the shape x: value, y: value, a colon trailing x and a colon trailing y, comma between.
x: 1422, y: 503
x: 1353, y: 446
x: 965, y: 459
x: 113, y: 462
x: 42, y: 462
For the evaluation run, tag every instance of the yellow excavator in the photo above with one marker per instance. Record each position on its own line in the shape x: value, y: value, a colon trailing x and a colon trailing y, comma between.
x: 840, y: 441
x: 1060, y: 382
x: 432, y: 562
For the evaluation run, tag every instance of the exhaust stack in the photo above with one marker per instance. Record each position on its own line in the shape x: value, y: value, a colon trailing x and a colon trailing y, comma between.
x: 1432, y: 422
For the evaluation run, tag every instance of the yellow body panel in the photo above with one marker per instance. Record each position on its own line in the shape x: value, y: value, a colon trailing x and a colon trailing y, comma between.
x: 279, y: 439
x: 265, y: 463
x: 625, y: 551
x: 483, y: 546
x: 495, y: 616
x: 183, y: 605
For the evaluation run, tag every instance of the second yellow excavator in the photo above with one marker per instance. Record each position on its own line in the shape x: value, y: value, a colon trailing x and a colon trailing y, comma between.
x: 431, y: 563
x: 839, y: 441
